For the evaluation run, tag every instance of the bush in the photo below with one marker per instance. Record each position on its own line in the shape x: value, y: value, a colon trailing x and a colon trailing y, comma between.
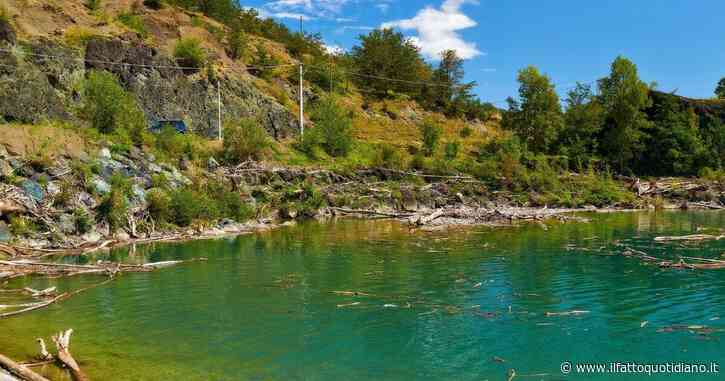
x: 113, y: 208
x: 93, y: 4
x: 388, y: 156
x: 333, y: 127
x: 110, y: 108
x: 4, y: 14
x: 244, y: 140
x: 185, y: 207
x: 82, y: 221
x: 430, y: 132
x: 159, y: 205
x: 134, y: 23
x: 22, y: 225
x: 465, y: 132
x: 451, y: 150
x: 188, y: 53
x: 263, y: 64
x: 153, y: 4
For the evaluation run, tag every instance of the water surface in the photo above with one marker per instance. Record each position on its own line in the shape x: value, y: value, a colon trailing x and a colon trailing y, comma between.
x: 445, y: 305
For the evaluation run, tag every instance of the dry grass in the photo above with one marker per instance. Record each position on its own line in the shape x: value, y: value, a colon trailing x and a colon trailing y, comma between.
x: 46, y: 139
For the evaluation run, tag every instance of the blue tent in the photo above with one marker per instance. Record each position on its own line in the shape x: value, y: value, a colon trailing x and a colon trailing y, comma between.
x: 178, y: 125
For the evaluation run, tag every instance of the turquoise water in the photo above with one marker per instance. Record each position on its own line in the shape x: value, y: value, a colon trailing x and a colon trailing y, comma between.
x: 467, y: 304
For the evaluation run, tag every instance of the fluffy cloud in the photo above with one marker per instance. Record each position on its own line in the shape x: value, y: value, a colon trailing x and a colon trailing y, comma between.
x: 438, y: 29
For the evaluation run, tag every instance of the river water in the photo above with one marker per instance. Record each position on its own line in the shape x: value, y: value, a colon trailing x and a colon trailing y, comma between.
x: 466, y: 304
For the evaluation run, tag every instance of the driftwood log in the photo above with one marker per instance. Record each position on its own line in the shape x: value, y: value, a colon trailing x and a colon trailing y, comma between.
x: 19, y: 370
x: 62, y: 344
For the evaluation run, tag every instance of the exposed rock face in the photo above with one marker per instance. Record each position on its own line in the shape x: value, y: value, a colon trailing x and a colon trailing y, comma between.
x: 7, y: 34
x: 34, y: 87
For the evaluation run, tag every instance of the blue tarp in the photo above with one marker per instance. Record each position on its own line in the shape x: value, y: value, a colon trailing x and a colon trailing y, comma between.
x: 178, y: 125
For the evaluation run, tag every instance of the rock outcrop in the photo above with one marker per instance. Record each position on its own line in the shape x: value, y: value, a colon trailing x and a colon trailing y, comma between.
x: 46, y: 82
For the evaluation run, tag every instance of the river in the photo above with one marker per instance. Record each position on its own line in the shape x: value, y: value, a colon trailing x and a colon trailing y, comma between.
x: 467, y: 304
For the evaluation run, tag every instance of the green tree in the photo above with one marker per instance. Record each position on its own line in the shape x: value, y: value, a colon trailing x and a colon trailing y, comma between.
x: 582, y: 122
x: 673, y: 142
x: 188, y: 53
x: 238, y: 42
x: 450, y: 94
x: 109, y: 108
x: 720, y: 89
x: 385, y: 54
x: 623, y: 97
x: 263, y: 64
x: 537, y: 119
x: 333, y: 127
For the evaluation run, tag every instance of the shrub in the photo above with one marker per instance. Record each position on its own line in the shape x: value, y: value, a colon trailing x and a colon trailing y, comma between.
x: 110, y: 108
x: 21, y: 225
x: 388, y: 156
x: 451, y: 150
x: 113, y: 208
x: 93, y: 4
x: 4, y: 14
x: 184, y: 207
x: 153, y: 4
x: 188, y: 53
x: 134, y: 23
x: 244, y: 140
x: 263, y: 64
x: 65, y: 196
x: 430, y: 133
x: 159, y: 205
x: 82, y: 221
x: 333, y: 127
x: 465, y: 132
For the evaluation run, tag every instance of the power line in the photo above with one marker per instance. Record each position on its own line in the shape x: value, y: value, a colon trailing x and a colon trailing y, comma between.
x: 125, y: 64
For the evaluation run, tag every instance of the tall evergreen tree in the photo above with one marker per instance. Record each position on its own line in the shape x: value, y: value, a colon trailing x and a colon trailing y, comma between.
x: 720, y: 89
x: 583, y: 121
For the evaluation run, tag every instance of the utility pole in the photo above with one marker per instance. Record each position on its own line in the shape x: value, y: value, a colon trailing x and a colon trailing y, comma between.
x: 302, y: 90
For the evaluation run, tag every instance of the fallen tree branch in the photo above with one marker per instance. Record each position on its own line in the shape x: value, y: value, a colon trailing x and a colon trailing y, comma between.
x: 19, y: 370
x: 693, y: 237
x: 62, y: 343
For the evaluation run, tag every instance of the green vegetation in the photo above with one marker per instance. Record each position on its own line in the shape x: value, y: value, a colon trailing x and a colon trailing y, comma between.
x: 188, y: 53
x: 263, y: 64
x: 720, y: 89
x: 110, y: 109
x: 430, y: 132
x: 332, y: 131
x: 244, y: 140
x: 4, y: 14
x: 153, y: 4
x: 238, y: 42
x: 133, y: 22
x: 93, y: 4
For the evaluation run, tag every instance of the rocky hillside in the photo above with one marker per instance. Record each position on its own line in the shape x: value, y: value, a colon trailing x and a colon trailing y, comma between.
x: 47, y: 48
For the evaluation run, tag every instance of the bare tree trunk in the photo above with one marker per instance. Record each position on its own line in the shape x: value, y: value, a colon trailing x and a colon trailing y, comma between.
x: 19, y: 370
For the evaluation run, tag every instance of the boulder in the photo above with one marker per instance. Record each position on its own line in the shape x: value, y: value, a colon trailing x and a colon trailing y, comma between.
x: 5, y: 234
x: 67, y: 223
x: 212, y: 164
x: 92, y: 236
x: 104, y: 153
x: 100, y: 185
x: 7, y: 33
x: 5, y: 168
x: 33, y: 190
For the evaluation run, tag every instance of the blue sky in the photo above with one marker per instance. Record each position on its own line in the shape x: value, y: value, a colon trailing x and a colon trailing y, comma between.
x: 678, y: 44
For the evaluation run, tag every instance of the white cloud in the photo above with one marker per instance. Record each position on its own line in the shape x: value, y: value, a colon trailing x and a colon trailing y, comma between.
x: 322, y: 8
x: 438, y: 29
x: 292, y: 15
x: 334, y: 49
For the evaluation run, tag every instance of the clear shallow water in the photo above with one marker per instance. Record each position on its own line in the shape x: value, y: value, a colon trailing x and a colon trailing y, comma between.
x: 262, y: 306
